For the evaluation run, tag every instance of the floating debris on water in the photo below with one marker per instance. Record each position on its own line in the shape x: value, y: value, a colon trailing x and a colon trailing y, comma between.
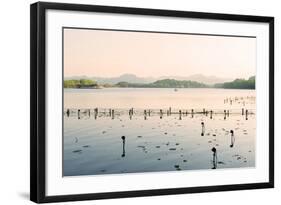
x: 188, y: 149
x: 77, y: 151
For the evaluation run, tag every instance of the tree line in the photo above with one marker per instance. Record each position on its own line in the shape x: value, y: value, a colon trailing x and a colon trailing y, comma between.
x: 165, y: 83
x: 238, y: 84
x: 82, y: 83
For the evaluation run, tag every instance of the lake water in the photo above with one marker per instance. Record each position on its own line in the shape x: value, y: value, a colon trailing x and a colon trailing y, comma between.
x: 105, y: 143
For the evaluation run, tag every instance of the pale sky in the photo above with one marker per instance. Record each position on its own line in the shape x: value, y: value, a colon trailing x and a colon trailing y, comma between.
x: 113, y: 53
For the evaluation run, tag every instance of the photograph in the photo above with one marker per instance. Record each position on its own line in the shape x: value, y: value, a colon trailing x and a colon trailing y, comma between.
x: 151, y: 101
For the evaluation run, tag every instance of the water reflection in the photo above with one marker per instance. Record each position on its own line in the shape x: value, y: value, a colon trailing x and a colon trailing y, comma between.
x: 165, y: 144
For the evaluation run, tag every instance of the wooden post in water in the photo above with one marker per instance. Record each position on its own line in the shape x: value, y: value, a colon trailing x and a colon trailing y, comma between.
x: 203, y: 129
x: 246, y: 114
x: 180, y: 114
x: 78, y: 113
x: 215, y: 158
x: 242, y: 111
x: 145, y: 113
x: 123, y: 142
x: 161, y: 113
x: 130, y: 113
x: 67, y: 112
x: 192, y: 113
x: 232, y: 138
x: 224, y: 114
x: 96, y: 113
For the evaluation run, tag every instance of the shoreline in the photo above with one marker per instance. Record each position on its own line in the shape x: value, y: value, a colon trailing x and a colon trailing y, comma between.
x: 159, y: 88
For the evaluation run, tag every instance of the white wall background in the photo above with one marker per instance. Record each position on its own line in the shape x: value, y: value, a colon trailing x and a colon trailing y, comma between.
x: 14, y: 100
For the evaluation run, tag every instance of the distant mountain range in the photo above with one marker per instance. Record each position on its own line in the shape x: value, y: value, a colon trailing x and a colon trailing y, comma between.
x: 131, y: 78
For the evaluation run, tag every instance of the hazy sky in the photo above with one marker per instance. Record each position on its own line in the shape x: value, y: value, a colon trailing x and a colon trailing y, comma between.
x: 113, y: 53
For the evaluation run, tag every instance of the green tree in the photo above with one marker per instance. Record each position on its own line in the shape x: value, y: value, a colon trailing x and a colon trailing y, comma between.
x: 79, y: 83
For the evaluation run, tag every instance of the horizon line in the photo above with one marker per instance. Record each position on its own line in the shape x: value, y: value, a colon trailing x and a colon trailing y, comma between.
x: 91, y: 76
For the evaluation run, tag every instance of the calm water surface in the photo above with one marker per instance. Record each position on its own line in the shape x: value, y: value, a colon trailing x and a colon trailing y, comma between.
x: 93, y: 144
x: 156, y: 98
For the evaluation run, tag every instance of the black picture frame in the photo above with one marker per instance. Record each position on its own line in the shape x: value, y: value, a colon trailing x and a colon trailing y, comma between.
x: 38, y: 100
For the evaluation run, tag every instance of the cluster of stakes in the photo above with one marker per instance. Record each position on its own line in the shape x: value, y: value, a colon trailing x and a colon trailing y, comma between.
x: 149, y: 112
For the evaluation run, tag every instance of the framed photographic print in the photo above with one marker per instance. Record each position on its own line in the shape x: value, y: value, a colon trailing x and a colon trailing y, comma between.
x: 129, y: 102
